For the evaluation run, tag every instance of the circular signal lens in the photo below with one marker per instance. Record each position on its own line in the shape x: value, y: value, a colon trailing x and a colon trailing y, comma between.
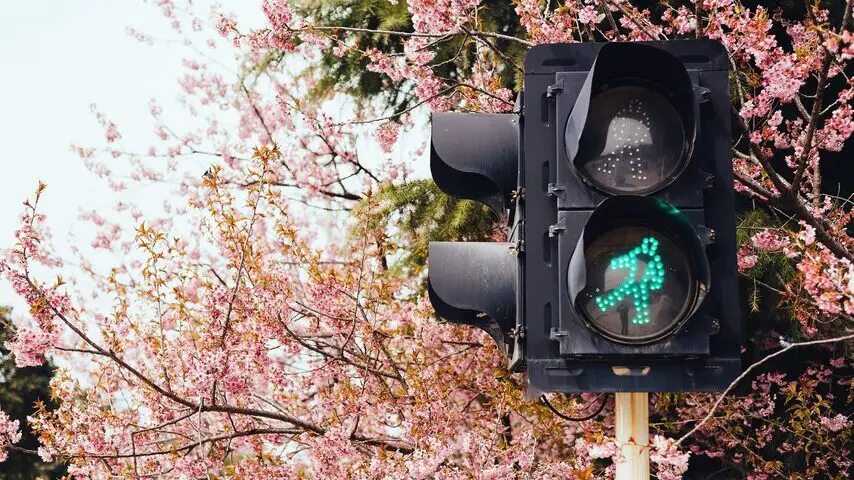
x: 640, y: 284
x: 633, y: 141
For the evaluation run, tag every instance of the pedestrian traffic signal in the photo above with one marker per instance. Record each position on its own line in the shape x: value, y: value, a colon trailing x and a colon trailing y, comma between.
x: 619, y: 270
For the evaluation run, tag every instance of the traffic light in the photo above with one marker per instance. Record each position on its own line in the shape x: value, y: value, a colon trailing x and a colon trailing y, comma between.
x: 476, y: 156
x: 619, y: 273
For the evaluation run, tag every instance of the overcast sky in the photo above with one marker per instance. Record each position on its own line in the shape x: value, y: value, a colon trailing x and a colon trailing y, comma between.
x: 60, y: 56
x: 56, y: 59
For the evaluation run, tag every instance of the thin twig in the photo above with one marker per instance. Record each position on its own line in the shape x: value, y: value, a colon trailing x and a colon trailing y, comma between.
x: 418, y: 34
x: 396, y: 115
x: 750, y: 369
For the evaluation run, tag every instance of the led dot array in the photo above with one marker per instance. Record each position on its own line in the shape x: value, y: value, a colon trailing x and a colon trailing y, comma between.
x: 629, y: 129
x: 651, y: 280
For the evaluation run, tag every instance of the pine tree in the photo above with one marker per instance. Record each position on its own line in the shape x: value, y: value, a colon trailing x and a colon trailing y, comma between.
x: 418, y: 213
x: 454, y: 55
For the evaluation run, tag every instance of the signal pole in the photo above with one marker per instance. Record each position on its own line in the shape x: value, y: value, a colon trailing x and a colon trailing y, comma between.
x: 631, y: 423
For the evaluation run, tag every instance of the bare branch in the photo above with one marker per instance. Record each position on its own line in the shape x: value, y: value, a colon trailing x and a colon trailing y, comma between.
x: 813, y: 122
x: 396, y: 115
x: 418, y: 34
x: 749, y: 369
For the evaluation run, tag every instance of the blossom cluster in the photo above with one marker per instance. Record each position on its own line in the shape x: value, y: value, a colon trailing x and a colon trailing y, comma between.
x: 266, y: 343
x: 9, y: 434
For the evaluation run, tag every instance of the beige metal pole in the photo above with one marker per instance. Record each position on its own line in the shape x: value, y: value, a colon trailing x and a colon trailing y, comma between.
x: 632, y: 431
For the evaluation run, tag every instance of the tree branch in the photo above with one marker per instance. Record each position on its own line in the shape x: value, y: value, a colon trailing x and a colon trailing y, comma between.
x: 750, y: 369
x: 394, y: 445
x: 820, y: 88
x: 791, y: 201
x: 418, y: 34
x: 813, y: 122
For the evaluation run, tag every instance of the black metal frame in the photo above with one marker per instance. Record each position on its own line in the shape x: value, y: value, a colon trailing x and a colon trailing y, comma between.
x: 521, y: 164
x: 563, y: 353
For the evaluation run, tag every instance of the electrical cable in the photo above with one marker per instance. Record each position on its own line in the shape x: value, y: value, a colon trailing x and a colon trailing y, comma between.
x: 577, y: 419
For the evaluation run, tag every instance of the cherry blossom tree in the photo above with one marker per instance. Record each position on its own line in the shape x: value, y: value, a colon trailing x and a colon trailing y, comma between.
x: 272, y: 323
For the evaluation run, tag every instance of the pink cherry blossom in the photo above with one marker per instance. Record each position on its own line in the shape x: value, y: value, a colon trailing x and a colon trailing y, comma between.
x: 835, y: 424
x: 256, y: 326
x: 386, y: 135
x: 29, y: 346
x: 670, y: 462
x: 9, y: 434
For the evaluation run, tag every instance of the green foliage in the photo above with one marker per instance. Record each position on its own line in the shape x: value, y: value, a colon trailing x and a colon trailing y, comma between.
x: 415, y: 213
x: 773, y: 270
x: 20, y: 389
x: 454, y: 55
x: 349, y: 74
x: 770, y: 264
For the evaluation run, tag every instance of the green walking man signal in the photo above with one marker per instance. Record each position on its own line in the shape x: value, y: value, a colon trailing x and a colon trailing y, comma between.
x: 651, y: 280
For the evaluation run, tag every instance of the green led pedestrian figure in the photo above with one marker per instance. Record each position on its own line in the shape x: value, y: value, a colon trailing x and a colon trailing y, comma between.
x: 638, y: 288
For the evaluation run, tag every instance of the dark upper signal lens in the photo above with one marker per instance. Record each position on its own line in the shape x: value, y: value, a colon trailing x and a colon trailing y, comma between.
x: 633, y: 141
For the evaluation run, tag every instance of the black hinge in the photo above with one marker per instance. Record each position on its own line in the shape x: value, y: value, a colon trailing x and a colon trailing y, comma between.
x: 556, y: 335
x: 701, y: 94
x: 706, y: 234
x: 553, y: 90
x: 555, y: 190
x: 559, y: 227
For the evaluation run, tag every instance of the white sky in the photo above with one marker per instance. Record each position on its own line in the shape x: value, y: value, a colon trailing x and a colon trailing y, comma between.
x: 57, y: 58
x: 60, y: 56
